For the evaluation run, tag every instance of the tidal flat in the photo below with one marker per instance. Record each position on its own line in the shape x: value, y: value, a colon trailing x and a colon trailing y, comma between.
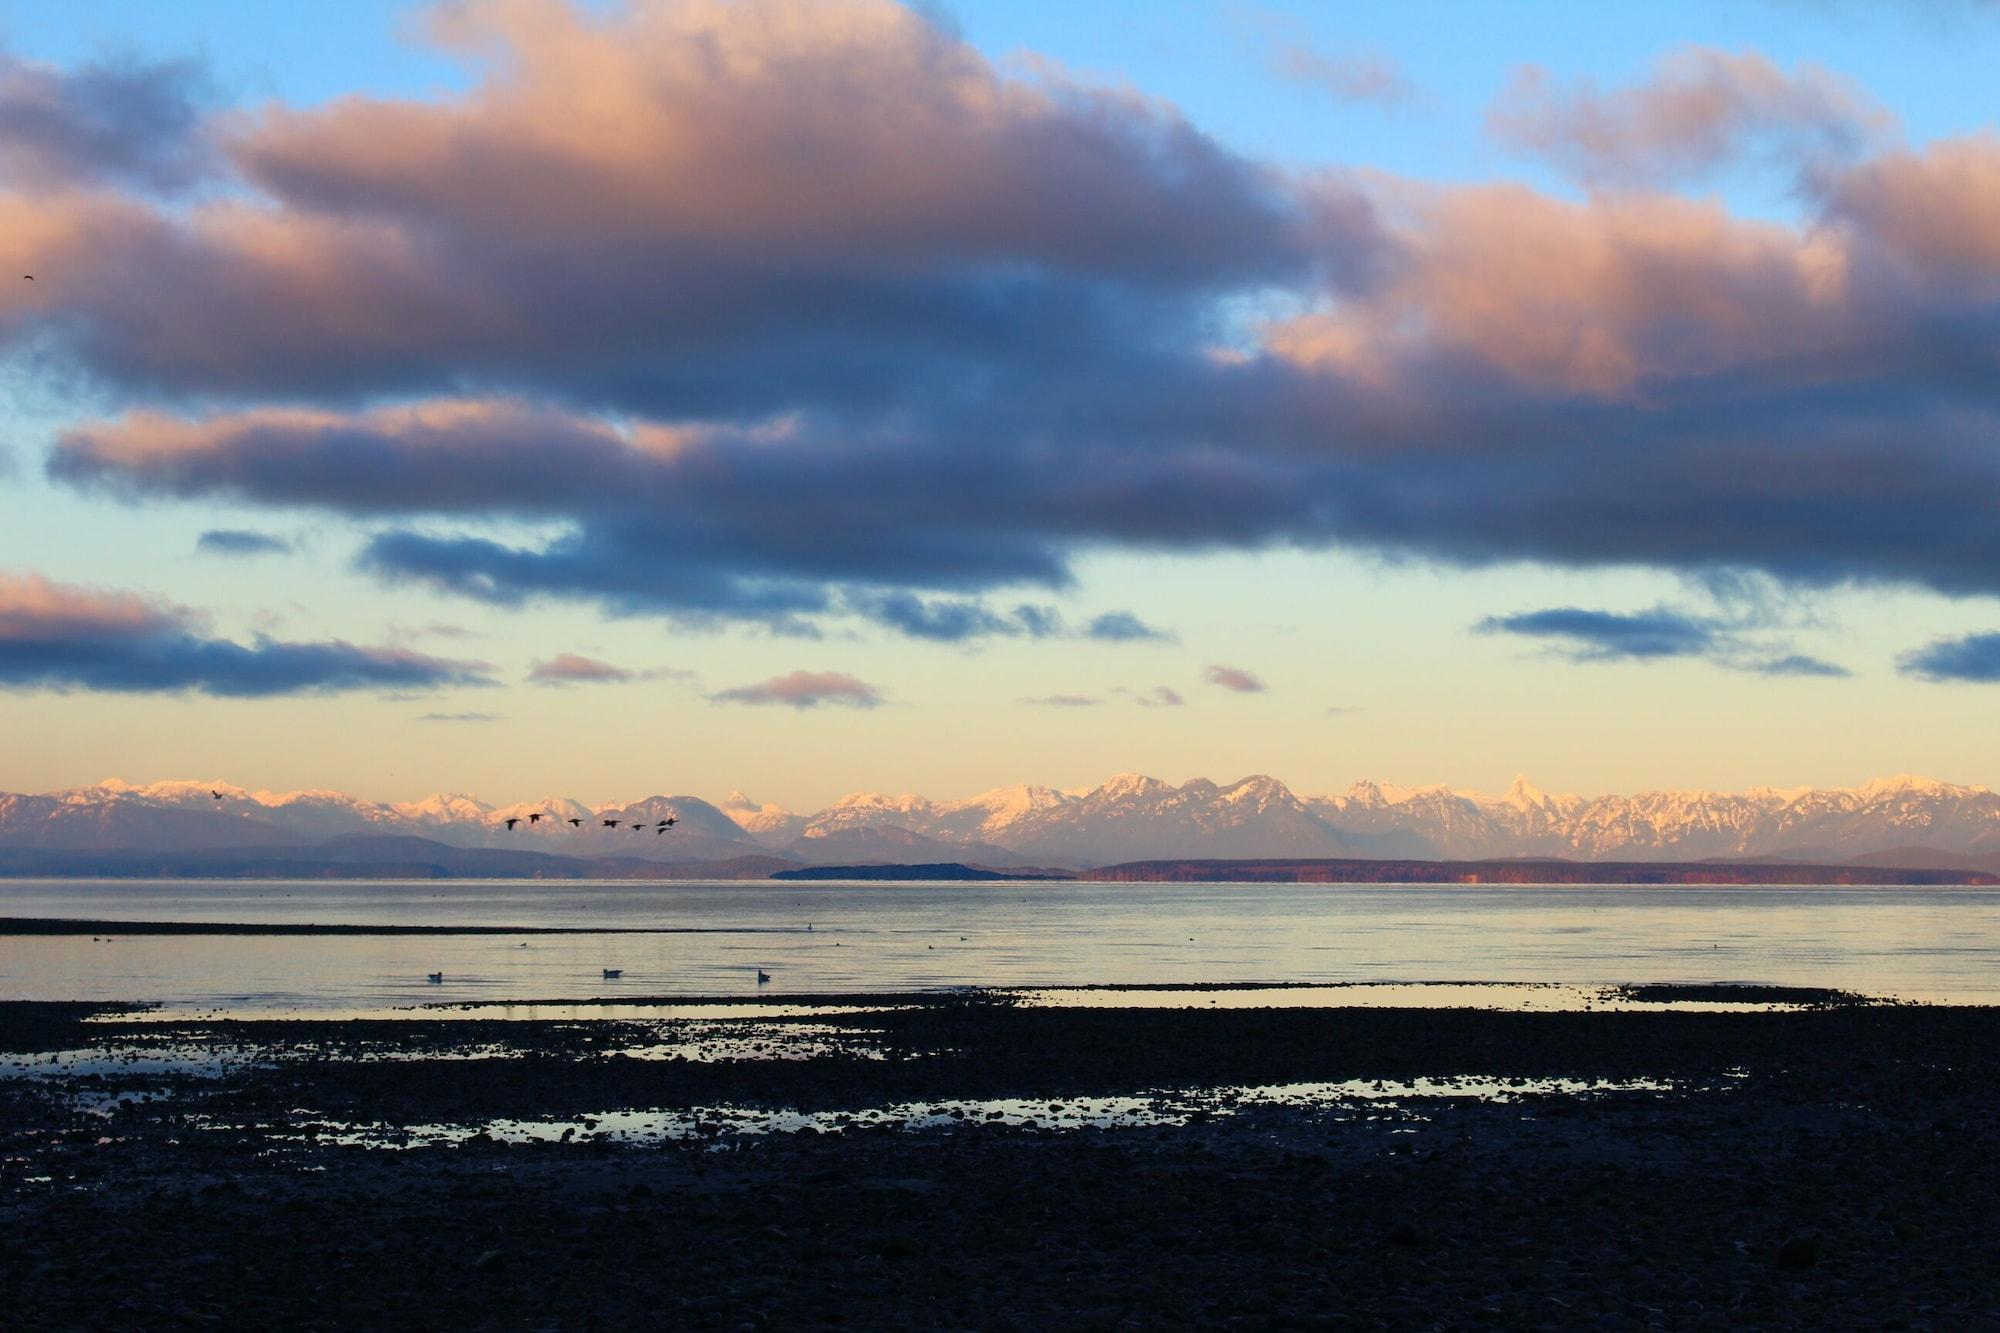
x: 981, y: 1160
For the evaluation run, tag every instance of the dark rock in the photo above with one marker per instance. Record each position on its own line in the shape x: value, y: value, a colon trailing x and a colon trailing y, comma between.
x: 1798, y: 1252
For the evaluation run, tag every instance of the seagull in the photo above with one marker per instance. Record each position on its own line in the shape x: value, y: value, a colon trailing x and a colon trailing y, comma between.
x: 576, y: 823
x: 510, y: 823
x: 762, y: 976
x: 435, y: 978
x: 611, y: 823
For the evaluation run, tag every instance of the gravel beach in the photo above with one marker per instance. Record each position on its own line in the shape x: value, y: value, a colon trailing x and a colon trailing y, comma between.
x: 973, y: 1162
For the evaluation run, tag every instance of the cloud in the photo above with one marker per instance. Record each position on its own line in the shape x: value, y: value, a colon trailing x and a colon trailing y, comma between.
x: 105, y: 123
x: 1732, y: 641
x: 930, y: 333
x: 1124, y: 627
x: 1162, y: 696
x: 880, y: 207
x: 574, y: 669
x: 951, y: 620
x: 459, y: 717
x: 235, y: 541
x: 1233, y: 678
x: 56, y: 636
x: 1064, y: 701
x: 805, y: 689
x: 1606, y: 636
x: 1344, y: 77
x: 1699, y: 109
x: 1972, y: 657
x: 1799, y: 664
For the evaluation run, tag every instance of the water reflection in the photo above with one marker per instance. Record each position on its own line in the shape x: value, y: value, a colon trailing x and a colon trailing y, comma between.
x: 1924, y: 943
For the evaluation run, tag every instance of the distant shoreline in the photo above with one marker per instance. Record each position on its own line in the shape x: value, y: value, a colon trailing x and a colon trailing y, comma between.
x: 1525, y: 872
x: 35, y: 925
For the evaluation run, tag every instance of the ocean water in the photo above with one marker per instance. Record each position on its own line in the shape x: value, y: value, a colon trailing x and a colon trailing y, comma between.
x: 1939, y: 945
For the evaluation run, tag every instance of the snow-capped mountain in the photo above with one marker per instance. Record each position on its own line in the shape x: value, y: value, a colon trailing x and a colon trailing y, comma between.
x: 1128, y: 817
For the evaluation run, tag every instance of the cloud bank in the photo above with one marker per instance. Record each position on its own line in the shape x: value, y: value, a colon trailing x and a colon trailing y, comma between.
x: 929, y: 332
x: 56, y: 636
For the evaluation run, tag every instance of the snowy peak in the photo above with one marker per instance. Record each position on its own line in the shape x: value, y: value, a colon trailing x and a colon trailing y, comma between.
x: 1127, y: 817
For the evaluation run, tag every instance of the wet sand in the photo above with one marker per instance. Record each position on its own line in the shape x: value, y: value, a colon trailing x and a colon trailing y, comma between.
x: 971, y: 1162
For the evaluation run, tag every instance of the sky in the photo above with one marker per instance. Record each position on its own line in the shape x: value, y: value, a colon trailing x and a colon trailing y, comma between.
x: 796, y: 397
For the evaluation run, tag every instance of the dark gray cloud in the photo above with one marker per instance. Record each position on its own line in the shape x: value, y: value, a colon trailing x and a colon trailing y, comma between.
x: 236, y: 541
x: 805, y: 689
x: 108, y: 122
x: 1609, y: 636
x: 1741, y: 639
x: 1124, y: 627
x: 1971, y: 657
x: 1800, y: 664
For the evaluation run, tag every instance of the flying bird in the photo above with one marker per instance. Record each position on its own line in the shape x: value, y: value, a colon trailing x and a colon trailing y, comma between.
x: 510, y: 823
x: 576, y: 823
x: 27, y: 277
x: 216, y: 794
x: 535, y: 817
x: 611, y: 823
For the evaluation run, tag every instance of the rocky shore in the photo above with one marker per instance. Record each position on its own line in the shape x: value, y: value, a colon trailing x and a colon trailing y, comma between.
x: 973, y: 1162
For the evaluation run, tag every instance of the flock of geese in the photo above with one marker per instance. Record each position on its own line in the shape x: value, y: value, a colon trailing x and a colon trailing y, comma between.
x: 537, y: 816
x: 636, y: 825
x: 534, y: 817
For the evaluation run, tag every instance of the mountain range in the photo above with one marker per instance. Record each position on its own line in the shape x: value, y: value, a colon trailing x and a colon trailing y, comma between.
x: 1905, y: 821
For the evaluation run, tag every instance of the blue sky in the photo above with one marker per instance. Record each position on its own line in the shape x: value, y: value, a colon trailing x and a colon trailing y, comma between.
x: 1369, y: 639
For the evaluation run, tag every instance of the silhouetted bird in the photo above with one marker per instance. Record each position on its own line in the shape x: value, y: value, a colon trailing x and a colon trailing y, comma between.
x: 535, y: 817
x: 670, y: 821
x: 613, y: 973
x: 661, y: 829
x: 27, y: 277
x: 611, y: 823
x: 576, y: 823
x: 510, y: 823
x: 216, y: 794
x: 762, y: 976
x: 435, y: 978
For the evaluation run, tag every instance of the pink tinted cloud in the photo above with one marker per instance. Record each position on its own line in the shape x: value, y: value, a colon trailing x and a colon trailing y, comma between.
x: 1700, y: 108
x: 805, y: 689
x: 57, y: 636
x: 1235, y: 679
x: 34, y: 607
x: 576, y: 669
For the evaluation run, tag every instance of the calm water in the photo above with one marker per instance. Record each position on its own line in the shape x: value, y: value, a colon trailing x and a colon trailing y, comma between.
x: 1939, y: 944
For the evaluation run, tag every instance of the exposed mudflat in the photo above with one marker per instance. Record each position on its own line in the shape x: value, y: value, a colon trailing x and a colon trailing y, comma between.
x: 972, y: 1162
